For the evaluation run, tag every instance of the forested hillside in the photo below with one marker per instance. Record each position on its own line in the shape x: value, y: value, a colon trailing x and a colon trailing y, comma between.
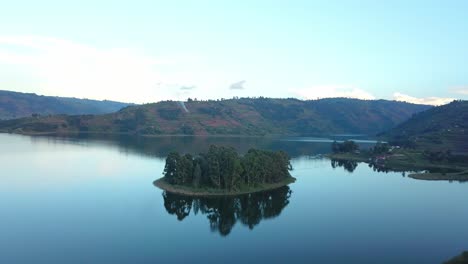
x: 442, y: 127
x: 245, y: 116
x: 17, y: 105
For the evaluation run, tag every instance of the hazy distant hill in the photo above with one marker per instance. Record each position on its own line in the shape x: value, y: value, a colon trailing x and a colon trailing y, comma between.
x: 244, y: 116
x: 16, y: 105
x: 443, y: 127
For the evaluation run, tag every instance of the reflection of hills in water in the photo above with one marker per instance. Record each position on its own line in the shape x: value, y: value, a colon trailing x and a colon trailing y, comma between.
x: 224, y: 212
x: 162, y: 146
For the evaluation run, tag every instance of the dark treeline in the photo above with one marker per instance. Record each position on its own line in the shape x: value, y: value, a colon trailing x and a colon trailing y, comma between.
x: 224, y: 212
x: 347, y: 146
x: 223, y: 168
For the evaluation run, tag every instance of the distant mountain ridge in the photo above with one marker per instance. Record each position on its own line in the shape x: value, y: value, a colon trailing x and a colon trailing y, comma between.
x: 244, y: 116
x: 442, y: 127
x: 16, y: 105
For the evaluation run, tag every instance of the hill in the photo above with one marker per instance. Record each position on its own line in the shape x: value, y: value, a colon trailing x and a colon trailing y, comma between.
x: 245, y: 116
x: 17, y: 105
x: 439, y: 128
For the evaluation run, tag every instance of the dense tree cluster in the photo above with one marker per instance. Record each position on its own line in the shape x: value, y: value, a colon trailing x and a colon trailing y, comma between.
x: 348, y: 146
x: 445, y: 156
x: 380, y: 148
x: 223, y: 168
x: 210, y: 110
x: 169, y: 114
x: 223, y: 212
x: 438, y: 156
x: 17, y: 105
x: 276, y: 109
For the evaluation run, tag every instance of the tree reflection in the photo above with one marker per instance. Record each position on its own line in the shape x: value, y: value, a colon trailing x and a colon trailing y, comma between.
x: 224, y: 212
x: 180, y: 207
x: 381, y: 168
x: 348, y: 165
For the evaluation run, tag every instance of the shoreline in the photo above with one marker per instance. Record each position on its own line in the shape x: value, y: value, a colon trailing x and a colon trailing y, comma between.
x: 438, y: 176
x: 403, y: 162
x: 203, y: 192
x: 74, y: 133
x: 347, y: 156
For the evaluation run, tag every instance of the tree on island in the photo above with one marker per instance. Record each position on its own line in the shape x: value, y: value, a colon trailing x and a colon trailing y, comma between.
x: 222, y: 168
x: 348, y: 146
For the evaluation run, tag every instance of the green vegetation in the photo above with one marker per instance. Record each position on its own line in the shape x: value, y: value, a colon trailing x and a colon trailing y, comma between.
x: 347, y: 155
x: 437, y: 129
x: 245, y: 116
x: 348, y: 146
x: 222, y: 171
x: 380, y: 148
x: 461, y: 259
x: 435, y: 140
x: 439, y: 165
x: 18, y: 105
x: 415, y: 159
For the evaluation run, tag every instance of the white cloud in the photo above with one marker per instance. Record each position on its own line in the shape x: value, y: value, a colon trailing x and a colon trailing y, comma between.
x: 237, y: 85
x: 188, y: 87
x: 65, y: 68
x: 461, y: 90
x: 426, y: 100
x: 332, y: 91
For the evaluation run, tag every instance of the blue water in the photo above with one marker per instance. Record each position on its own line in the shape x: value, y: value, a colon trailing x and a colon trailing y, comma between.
x: 91, y: 200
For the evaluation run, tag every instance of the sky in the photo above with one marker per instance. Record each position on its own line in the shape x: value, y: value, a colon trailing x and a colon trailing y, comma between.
x: 147, y: 51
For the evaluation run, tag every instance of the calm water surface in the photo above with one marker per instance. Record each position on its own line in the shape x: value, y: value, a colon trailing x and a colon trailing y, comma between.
x: 90, y: 200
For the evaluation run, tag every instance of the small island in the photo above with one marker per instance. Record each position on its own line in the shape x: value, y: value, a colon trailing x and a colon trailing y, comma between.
x: 222, y: 171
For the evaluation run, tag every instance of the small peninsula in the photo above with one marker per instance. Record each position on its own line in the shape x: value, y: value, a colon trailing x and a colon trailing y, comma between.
x: 222, y: 171
x: 424, y: 164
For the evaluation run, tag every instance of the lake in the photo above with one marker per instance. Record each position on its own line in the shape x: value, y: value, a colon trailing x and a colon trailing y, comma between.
x: 91, y: 200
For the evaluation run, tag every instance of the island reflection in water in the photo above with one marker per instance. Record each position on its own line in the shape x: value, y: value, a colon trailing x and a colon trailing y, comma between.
x: 351, y: 165
x: 348, y: 165
x: 224, y: 212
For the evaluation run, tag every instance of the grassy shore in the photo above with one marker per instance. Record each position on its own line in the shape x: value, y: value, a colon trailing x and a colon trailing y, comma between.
x: 204, y: 192
x: 411, y: 160
x: 441, y: 176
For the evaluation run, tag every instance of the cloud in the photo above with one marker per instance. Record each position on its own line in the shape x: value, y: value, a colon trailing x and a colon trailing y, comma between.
x: 461, y: 90
x: 333, y: 91
x: 53, y: 66
x: 426, y: 100
x: 66, y: 68
x: 237, y: 85
x: 188, y: 87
